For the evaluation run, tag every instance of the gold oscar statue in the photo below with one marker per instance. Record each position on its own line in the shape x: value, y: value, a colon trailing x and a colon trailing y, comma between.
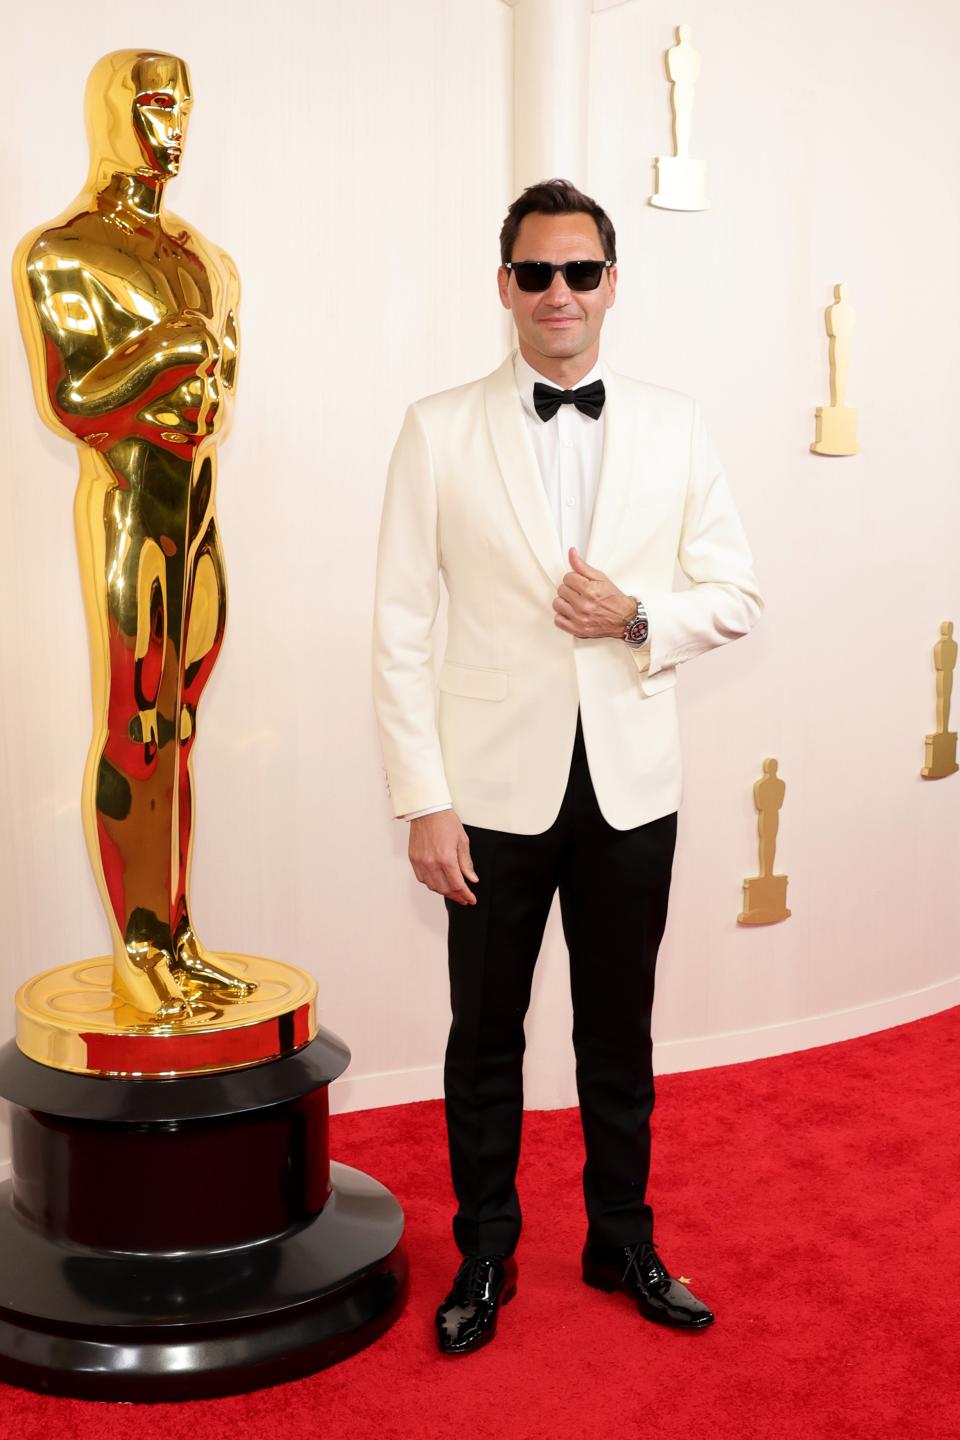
x: 174, y: 1226
x: 129, y: 316
x: 765, y: 895
x: 837, y: 422
x: 681, y: 181
x: 941, y: 746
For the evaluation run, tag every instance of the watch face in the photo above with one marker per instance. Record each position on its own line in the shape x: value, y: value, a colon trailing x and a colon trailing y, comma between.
x: 638, y: 631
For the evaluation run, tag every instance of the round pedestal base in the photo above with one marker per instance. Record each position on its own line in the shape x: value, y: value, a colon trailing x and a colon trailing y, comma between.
x: 103, y: 1326
x: 173, y: 1239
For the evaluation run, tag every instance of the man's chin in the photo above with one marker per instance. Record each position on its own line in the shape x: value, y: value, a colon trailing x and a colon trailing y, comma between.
x: 563, y: 342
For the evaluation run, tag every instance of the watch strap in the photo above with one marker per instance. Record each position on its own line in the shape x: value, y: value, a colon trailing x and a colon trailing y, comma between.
x: 635, y: 631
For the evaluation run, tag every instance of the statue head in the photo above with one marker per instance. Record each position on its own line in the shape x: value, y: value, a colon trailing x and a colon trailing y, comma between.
x: 770, y: 768
x: 683, y: 33
x: 137, y: 104
x: 946, y: 629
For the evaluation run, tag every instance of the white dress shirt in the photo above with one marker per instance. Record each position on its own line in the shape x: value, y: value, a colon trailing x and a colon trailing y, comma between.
x: 569, y: 449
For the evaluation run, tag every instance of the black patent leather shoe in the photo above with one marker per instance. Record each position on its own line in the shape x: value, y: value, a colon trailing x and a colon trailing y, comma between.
x: 467, y: 1318
x: 639, y: 1272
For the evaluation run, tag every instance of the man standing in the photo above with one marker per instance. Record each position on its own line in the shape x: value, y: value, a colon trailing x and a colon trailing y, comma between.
x: 554, y: 762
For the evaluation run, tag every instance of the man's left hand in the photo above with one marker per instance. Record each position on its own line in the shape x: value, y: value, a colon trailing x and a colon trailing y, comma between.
x: 589, y: 605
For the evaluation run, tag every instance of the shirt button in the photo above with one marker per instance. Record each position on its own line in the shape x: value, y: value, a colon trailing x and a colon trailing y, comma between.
x: 570, y: 500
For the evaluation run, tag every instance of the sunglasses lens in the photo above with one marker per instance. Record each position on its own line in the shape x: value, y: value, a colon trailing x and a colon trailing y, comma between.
x: 533, y: 275
x: 583, y: 274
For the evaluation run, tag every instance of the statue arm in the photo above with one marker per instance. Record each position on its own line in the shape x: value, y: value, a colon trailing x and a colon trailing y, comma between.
x: 231, y: 335
x: 122, y: 377
x: 109, y: 355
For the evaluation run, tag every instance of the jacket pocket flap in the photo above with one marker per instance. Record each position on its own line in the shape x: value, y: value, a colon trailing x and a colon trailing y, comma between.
x: 663, y: 680
x: 474, y: 683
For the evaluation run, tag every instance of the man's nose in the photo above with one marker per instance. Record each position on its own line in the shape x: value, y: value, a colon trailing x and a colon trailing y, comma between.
x: 558, y: 291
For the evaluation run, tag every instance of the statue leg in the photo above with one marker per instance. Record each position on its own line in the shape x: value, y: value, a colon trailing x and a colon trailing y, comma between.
x: 205, y: 617
x: 682, y: 116
x: 130, y: 768
x: 944, y: 696
x: 768, y: 823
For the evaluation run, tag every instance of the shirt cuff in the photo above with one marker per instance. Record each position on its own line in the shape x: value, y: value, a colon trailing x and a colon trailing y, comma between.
x: 416, y: 814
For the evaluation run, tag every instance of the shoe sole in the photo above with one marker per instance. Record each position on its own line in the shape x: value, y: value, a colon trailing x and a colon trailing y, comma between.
x: 611, y: 1287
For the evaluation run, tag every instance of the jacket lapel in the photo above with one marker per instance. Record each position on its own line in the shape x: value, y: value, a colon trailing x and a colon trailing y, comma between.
x: 518, y: 466
x: 621, y: 439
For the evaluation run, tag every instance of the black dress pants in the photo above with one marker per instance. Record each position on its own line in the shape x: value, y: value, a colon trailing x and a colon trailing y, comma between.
x: 614, y: 886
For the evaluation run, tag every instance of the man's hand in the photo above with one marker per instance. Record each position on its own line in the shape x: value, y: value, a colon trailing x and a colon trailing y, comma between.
x: 589, y: 605
x: 439, y: 852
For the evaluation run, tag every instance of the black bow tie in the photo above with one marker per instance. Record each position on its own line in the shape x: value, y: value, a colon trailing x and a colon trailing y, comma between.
x: 588, y: 399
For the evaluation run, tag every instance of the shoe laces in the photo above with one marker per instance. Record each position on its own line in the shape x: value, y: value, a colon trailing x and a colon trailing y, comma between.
x: 473, y: 1282
x: 637, y: 1254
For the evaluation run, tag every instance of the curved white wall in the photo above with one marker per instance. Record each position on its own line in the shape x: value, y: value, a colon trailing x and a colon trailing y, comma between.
x: 828, y: 135
x: 357, y: 161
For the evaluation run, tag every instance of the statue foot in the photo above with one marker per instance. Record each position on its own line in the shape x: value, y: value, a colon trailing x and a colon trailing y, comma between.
x: 173, y: 1010
x: 148, y: 981
x: 198, y: 967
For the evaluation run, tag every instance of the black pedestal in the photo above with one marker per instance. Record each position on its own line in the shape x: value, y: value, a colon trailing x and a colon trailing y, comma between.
x: 172, y: 1239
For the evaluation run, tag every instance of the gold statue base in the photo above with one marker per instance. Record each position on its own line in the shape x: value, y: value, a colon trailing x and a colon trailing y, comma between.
x: 73, y: 1019
x: 836, y: 431
x: 764, y: 900
x: 941, y: 755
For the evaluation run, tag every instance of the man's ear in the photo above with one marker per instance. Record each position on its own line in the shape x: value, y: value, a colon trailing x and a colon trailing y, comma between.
x: 503, y: 281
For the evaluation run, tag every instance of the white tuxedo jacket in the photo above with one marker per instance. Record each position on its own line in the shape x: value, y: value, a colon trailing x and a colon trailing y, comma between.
x: 465, y: 501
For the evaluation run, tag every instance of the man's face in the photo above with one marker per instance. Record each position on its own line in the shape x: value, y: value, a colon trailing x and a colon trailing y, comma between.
x: 559, y: 323
x: 160, y: 113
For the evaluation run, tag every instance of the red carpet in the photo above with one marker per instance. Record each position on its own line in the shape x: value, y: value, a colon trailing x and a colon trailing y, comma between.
x: 812, y: 1198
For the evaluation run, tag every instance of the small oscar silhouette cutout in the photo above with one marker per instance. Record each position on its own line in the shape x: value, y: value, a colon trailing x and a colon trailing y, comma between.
x: 765, y: 895
x: 941, y: 746
x: 681, y: 181
x: 837, y: 422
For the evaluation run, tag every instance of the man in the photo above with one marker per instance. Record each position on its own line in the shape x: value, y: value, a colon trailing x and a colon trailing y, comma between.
x: 554, y: 763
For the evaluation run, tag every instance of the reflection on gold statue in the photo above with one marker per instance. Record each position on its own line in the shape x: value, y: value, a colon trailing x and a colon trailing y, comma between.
x: 681, y: 181
x: 765, y: 895
x: 941, y: 747
x: 130, y: 321
x: 837, y: 423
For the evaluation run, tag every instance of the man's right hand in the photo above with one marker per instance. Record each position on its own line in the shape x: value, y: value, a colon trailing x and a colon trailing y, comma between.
x: 439, y: 852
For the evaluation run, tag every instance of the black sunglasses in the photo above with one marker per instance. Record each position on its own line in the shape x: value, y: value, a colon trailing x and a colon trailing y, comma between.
x: 538, y: 274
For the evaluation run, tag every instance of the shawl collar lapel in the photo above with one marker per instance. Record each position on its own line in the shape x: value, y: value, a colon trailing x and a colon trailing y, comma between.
x: 518, y: 466
x: 621, y: 441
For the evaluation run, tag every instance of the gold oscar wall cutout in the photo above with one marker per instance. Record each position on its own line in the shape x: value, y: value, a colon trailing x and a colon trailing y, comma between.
x: 765, y: 895
x: 837, y: 422
x: 941, y: 746
x: 681, y: 180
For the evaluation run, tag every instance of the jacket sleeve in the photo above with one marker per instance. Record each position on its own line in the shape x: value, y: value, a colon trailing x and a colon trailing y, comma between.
x: 405, y: 610
x: 724, y: 600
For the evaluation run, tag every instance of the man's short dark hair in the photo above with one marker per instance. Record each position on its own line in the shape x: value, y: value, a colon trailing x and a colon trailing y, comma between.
x: 555, y: 197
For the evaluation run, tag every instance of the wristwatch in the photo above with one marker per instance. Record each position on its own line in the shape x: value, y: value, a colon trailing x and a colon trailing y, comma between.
x: 636, y: 630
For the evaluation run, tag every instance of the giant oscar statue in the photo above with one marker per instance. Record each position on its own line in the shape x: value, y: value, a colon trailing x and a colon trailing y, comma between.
x: 174, y: 1226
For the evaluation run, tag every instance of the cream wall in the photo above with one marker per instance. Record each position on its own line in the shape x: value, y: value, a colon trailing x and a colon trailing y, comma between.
x: 356, y: 160
x: 829, y: 133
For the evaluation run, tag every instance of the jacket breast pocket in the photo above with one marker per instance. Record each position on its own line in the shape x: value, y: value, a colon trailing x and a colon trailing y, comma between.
x: 653, y: 499
x: 473, y: 682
